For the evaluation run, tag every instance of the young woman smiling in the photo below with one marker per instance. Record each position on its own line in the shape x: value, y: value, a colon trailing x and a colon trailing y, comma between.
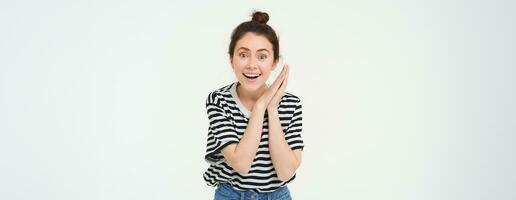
x: 254, y: 139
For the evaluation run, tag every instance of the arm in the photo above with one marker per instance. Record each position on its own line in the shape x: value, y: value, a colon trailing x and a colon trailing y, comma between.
x: 284, y: 159
x: 240, y: 156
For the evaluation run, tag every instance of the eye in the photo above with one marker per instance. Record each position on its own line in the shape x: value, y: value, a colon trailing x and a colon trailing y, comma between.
x: 242, y: 55
x: 262, y: 57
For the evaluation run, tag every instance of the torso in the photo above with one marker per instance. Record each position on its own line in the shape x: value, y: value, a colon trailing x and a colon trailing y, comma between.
x: 222, y: 104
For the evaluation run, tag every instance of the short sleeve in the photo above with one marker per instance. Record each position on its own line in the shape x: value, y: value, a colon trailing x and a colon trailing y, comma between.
x: 221, y: 131
x: 293, y: 133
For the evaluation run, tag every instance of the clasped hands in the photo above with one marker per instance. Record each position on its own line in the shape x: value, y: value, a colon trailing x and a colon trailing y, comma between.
x: 271, y: 98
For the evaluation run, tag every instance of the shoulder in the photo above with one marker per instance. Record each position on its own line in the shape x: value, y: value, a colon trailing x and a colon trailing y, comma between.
x: 214, y: 97
x: 290, y: 101
x: 289, y: 97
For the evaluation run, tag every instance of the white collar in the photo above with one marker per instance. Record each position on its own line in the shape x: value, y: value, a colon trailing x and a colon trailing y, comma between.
x: 239, y: 104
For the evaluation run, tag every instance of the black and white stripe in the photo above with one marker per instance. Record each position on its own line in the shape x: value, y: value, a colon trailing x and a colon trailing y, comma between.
x: 228, y: 121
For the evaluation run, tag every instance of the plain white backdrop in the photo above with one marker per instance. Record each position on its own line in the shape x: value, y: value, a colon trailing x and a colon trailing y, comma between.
x: 401, y: 99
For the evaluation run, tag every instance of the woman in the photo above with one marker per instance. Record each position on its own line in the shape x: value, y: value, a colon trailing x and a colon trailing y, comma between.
x: 254, y: 138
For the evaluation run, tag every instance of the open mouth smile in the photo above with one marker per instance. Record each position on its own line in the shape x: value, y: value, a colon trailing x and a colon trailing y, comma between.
x: 251, y: 75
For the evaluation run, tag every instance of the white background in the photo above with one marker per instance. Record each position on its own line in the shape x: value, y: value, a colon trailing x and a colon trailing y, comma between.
x: 401, y: 99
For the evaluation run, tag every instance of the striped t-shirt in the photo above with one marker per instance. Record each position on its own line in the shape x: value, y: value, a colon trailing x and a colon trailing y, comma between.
x: 228, y: 121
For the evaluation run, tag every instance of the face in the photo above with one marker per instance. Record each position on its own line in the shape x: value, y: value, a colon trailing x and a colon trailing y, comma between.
x: 253, y: 61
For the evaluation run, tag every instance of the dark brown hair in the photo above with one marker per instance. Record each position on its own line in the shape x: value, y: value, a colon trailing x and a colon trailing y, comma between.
x: 257, y: 25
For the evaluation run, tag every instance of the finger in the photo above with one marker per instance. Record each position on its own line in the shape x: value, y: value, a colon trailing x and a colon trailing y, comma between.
x: 284, y: 73
x: 277, y: 83
x: 286, y: 77
x: 287, y: 71
x: 278, y: 79
x: 285, y: 80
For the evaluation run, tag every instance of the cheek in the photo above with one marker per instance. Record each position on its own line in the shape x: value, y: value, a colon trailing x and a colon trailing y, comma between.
x: 267, y: 67
x: 239, y: 62
x: 266, y: 72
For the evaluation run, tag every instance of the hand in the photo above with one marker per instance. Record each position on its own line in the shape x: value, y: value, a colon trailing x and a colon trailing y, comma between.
x: 274, y: 103
x: 265, y: 99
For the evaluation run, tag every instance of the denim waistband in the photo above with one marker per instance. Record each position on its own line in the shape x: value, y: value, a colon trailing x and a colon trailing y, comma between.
x: 226, y: 191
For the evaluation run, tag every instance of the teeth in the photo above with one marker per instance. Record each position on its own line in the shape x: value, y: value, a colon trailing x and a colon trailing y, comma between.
x: 252, y: 75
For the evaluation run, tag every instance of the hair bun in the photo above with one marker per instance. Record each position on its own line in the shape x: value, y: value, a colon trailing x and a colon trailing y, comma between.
x: 260, y: 17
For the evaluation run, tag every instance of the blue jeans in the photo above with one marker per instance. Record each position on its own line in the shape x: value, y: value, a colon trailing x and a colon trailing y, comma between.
x: 225, y: 191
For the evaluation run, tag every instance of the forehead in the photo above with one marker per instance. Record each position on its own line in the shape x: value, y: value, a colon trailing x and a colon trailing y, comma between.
x: 254, y: 42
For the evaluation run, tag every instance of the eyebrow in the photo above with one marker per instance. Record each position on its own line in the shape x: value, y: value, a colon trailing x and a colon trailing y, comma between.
x: 249, y: 50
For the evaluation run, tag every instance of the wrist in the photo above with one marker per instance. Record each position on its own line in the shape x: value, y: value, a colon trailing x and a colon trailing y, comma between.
x: 272, y: 109
x: 259, y: 106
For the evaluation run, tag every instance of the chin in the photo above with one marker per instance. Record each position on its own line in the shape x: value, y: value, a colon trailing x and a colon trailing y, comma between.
x: 251, y: 86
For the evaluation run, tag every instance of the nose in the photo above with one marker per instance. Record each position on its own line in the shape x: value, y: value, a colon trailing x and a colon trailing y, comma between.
x: 253, y: 63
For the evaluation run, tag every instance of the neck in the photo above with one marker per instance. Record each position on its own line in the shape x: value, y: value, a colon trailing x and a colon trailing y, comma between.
x: 250, y: 95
